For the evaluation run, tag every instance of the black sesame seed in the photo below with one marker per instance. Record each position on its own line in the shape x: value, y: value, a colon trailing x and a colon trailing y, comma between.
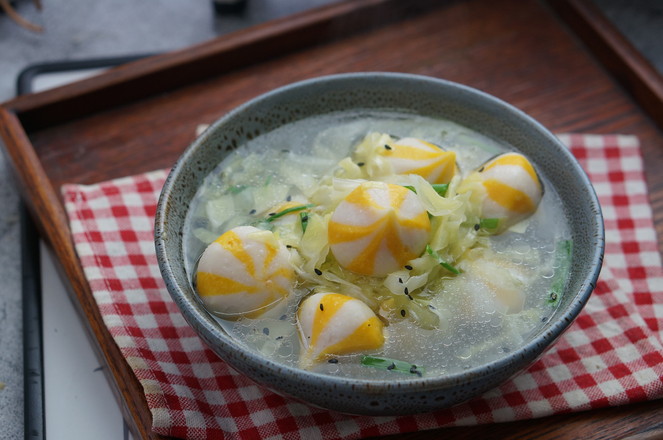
x: 481, y: 169
x: 414, y: 370
x: 406, y: 291
x: 278, y: 338
x: 477, y: 227
x: 391, y: 366
x: 400, y: 280
x: 360, y: 164
x: 387, y: 147
x: 305, y: 218
x: 553, y: 296
x: 289, y: 198
x: 321, y: 307
x: 430, y: 306
x: 403, y: 313
x: 333, y: 361
x: 318, y: 271
x: 408, y: 267
x: 251, y: 212
x: 266, y: 331
x: 271, y: 214
x: 410, y: 297
x: 283, y: 317
x: 544, y: 319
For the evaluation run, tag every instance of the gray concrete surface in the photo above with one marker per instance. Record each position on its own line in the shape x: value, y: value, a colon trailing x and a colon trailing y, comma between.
x: 11, y: 357
x: 80, y: 29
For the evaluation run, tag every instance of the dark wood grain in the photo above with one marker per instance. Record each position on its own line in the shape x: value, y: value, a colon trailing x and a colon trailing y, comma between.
x: 141, y: 116
x: 628, y: 66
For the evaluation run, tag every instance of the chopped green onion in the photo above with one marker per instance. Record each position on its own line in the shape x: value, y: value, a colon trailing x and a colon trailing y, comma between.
x: 236, y: 189
x: 489, y: 223
x: 392, y: 365
x: 439, y: 259
x: 303, y: 217
x: 563, y: 252
x: 449, y: 267
x: 271, y: 218
x: 440, y: 188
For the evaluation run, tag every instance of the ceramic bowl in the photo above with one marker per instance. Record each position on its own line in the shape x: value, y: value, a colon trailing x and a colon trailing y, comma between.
x: 417, y: 94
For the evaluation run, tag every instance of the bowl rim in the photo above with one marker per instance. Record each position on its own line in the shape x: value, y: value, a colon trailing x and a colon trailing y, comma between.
x: 522, y: 356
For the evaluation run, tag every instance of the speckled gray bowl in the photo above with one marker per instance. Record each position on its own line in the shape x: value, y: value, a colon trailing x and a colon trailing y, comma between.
x: 420, y: 95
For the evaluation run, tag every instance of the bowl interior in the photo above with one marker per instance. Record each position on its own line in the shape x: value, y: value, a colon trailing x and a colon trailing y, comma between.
x: 379, y: 91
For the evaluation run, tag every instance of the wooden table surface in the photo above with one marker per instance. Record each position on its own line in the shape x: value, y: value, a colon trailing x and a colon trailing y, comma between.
x: 140, y: 117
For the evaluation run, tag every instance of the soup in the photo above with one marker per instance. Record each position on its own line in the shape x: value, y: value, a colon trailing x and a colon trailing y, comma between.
x: 375, y: 243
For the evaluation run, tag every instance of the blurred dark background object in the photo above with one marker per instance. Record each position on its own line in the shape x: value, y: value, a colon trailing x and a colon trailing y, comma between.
x: 229, y: 6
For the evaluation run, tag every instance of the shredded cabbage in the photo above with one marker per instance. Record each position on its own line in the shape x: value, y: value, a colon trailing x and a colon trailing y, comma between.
x: 403, y: 294
x: 455, y: 237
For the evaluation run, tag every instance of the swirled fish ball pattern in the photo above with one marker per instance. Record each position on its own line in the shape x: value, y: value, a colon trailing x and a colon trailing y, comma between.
x: 416, y: 156
x: 244, y: 272
x: 377, y: 228
x: 332, y: 324
x: 512, y: 188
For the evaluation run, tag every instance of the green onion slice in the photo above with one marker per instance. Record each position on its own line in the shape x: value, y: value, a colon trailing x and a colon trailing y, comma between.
x: 383, y: 363
x: 489, y: 223
x: 303, y: 218
x: 439, y: 259
x: 440, y: 188
x: 271, y: 218
x: 236, y: 189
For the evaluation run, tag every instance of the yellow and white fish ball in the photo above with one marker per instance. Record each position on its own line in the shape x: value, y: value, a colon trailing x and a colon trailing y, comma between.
x: 332, y: 324
x: 512, y: 189
x: 378, y: 228
x: 415, y: 156
x: 244, y: 272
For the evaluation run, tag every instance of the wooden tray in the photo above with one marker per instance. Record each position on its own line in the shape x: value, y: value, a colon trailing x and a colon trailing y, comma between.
x: 140, y: 117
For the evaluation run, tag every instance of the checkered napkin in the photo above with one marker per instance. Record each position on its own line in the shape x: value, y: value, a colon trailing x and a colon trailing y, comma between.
x: 612, y: 354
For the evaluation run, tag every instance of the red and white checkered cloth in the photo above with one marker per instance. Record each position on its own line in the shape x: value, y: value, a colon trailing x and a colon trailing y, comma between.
x: 612, y: 354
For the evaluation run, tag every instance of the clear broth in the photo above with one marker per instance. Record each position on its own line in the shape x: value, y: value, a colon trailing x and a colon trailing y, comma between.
x: 473, y: 329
